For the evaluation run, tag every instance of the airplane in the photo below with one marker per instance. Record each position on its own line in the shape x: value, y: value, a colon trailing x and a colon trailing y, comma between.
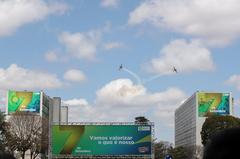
x: 174, y: 69
x: 120, y: 67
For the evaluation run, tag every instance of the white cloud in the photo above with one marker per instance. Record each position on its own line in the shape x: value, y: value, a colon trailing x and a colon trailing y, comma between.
x: 74, y: 75
x: 109, y: 3
x: 234, y: 80
x: 120, y: 92
x: 123, y: 96
x: 16, y: 13
x: 216, y: 22
x: 121, y: 100
x: 185, y: 56
x: 113, y: 45
x: 81, y: 45
x: 237, y: 102
x: 15, y: 77
x: 79, y: 110
x: 55, y: 56
x: 51, y: 56
x: 76, y: 102
x: 124, y: 93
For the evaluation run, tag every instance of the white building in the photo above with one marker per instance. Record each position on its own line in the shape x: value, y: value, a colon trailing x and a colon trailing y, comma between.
x: 191, y: 115
x: 64, y: 114
x: 39, y: 104
x: 56, y: 114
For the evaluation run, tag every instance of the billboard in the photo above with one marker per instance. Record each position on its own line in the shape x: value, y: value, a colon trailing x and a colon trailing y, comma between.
x: 23, y: 101
x: 213, y: 104
x: 101, y: 140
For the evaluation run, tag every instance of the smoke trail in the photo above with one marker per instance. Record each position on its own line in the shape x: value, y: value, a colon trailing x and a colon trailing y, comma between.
x: 151, y: 78
x: 134, y: 75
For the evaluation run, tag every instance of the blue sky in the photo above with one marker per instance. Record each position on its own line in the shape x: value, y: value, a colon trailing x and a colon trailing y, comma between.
x: 73, y: 48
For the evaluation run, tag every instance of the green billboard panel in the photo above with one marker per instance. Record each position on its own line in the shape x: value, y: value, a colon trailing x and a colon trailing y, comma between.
x: 213, y: 104
x: 85, y: 140
x: 23, y: 101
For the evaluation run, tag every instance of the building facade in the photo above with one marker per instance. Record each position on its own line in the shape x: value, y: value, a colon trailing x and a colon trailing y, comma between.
x: 64, y: 114
x: 37, y: 104
x: 191, y: 115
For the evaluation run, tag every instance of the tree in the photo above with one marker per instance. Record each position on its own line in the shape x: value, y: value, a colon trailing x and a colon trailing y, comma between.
x: 40, y: 140
x: 165, y: 148
x: 198, y: 152
x: 25, y: 132
x: 6, y: 156
x: 4, y: 152
x: 141, y: 120
x: 215, y: 124
x: 180, y: 153
x: 2, y: 130
x: 161, y: 149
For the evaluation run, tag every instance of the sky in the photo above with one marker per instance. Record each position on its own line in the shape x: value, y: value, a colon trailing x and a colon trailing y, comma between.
x: 73, y: 48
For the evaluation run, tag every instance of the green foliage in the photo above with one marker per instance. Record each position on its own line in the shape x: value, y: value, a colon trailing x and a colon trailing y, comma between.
x: 2, y: 130
x: 25, y: 131
x: 5, y: 152
x: 164, y: 148
x: 141, y: 120
x: 6, y: 156
x: 179, y: 153
x: 214, y: 124
x: 2, y: 117
x: 161, y: 149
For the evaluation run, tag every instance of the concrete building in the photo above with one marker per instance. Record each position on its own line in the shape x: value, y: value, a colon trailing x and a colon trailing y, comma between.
x: 37, y: 104
x: 64, y: 114
x: 32, y: 104
x: 191, y: 115
x: 56, y: 114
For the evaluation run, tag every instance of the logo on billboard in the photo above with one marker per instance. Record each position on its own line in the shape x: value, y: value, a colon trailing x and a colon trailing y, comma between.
x: 144, y: 128
x: 143, y: 149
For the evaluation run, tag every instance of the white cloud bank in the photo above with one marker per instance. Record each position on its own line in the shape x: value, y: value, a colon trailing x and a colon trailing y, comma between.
x: 216, y: 22
x: 185, y: 56
x: 121, y: 100
x: 74, y: 75
x: 109, y: 3
x: 16, y: 13
x: 15, y: 77
x: 79, y: 110
x: 234, y: 80
x: 51, y: 56
x: 113, y: 45
x: 76, y: 102
x: 81, y: 45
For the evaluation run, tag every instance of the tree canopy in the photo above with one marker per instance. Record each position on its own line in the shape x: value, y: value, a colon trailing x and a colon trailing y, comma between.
x: 215, y: 124
x: 2, y: 123
x: 141, y: 120
x: 27, y: 132
x: 162, y: 149
x: 180, y: 153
